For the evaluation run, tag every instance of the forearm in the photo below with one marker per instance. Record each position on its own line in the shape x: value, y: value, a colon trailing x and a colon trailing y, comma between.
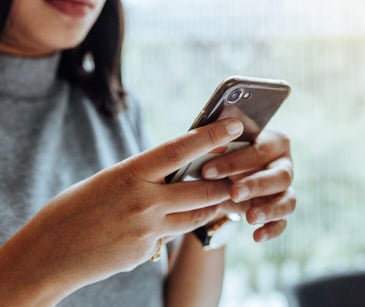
x: 196, y: 277
x: 27, y: 274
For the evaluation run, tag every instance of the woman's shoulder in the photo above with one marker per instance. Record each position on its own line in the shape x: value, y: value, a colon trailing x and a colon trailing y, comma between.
x: 127, y: 123
x: 134, y: 114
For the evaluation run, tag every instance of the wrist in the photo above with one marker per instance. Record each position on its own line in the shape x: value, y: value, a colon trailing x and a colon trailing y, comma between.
x: 216, y: 234
x: 192, y: 246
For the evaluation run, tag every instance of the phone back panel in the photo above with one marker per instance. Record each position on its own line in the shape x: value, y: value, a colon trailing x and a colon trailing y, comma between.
x: 258, y: 101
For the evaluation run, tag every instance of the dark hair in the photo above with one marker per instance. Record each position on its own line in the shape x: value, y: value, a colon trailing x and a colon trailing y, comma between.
x: 104, y: 42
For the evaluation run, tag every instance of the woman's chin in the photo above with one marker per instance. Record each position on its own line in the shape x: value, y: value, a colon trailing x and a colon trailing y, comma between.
x: 70, y: 42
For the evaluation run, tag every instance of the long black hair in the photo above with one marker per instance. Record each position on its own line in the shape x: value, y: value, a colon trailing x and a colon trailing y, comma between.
x: 104, y: 42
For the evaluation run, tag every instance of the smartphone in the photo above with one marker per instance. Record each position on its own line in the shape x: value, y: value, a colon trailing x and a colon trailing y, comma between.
x: 251, y: 100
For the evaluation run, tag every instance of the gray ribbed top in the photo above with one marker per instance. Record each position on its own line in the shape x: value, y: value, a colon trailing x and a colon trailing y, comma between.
x: 51, y: 136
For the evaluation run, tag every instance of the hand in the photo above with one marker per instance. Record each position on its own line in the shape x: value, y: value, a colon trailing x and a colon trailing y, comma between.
x: 112, y: 221
x: 261, y: 174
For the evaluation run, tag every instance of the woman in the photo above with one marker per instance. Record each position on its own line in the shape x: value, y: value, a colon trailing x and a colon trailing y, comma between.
x: 65, y: 123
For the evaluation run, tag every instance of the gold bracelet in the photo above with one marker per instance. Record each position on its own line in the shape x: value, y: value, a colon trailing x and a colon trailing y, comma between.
x: 157, y: 255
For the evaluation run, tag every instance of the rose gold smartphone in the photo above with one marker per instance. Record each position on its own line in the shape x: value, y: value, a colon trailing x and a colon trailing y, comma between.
x: 251, y: 100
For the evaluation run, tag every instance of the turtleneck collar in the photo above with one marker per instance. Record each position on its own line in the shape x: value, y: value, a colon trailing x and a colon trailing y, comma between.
x: 27, y: 77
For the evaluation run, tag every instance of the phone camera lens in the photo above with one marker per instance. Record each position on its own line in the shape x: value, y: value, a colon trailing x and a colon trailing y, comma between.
x: 235, y: 96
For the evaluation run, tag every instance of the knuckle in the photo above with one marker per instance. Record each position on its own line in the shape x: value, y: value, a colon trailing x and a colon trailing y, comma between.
x: 212, y: 137
x: 141, y: 208
x: 175, y: 152
x: 278, y: 227
x: 279, y: 135
x: 126, y: 176
x: 260, y: 150
x: 287, y: 176
x: 208, y: 193
x: 200, y: 216
x: 250, y: 183
x: 280, y: 212
x: 292, y: 199
x: 142, y: 233
x: 138, y: 208
x: 261, y: 186
x: 229, y: 167
x: 285, y: 140
x: 257, y: 186
x: 282, y: 224
x: 145, y: 231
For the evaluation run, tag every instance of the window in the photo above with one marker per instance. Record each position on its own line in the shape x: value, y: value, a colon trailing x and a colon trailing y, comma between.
x: 177, y: 52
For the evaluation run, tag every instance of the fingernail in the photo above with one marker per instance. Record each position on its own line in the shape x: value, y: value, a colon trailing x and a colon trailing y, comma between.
x: 211, y: 173
x: 243, y: 193
x: 234, y: 128
x: 260, y: 217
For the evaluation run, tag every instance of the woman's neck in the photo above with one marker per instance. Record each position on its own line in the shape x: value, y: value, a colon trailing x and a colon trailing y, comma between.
x: 30, y: 77
x: 11, y: 47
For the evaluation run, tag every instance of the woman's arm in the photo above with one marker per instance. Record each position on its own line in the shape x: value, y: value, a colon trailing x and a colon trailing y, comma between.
x: 27, y: 276
x: 196, y: 277
x: 112, y: 221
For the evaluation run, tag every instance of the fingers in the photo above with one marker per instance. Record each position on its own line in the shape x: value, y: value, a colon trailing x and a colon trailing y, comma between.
x: 165, y: 159
x: 269, y: 231
x: 269, y: 146
x: 229, y: 206
x: 271, y: 181
x: 183, y: 222
x: 186, y: 196
x: 270, y: 209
